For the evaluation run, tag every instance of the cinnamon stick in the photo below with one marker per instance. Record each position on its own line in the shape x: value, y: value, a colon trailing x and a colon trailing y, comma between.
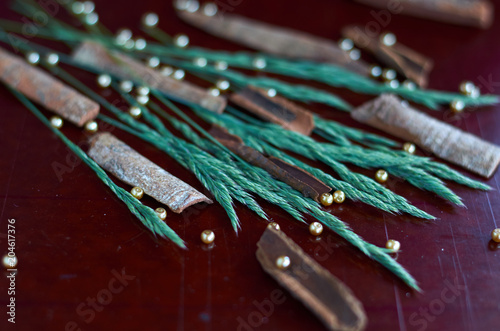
x: 389, y: 114
x: 275, y: 109
x: 274, y: 40
x: 117, y: 64
x: 46, y: 90
x: 325, y: 295
x: 134, y: 169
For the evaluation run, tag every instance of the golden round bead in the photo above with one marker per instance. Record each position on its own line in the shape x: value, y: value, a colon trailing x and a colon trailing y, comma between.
x: 137, y: 192
x: 283, y: 262
x: 393, y: 245
x: 91, y: 127
x: 316, y: 228
x: 273, y: 225
x: 495, y: 235
x: 338, y: 196
x: 56, y: 122
x: 161, y: 212
x: 467, y: 87
x: 457, y: 106
x: 207, y: 236
x: 326, y: 199
x: 381, y: 176
x: 409, y: 148
x: 135, y: 112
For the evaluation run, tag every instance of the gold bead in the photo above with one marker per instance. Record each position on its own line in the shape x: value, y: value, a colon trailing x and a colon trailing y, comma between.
x: 457, y: 106
x: 326, y: 199
x: 273, y: 225
x: 161, y: 212
x: 283, y: 262
x: 381, y: 176
x: 315, y: 228
x: 467, y: 87
x: 409, y: 148
x: 495, y: 235
x: 207, y: 236
x: 56, y: 122
x: 91, y: 127
x: 393, y: 245
x: 338, y: 196
x: 137, y: 192
x: 9, y: 262
x: 135, y: 112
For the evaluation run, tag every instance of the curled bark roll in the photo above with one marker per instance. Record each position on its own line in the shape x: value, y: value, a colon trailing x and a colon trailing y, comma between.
x: 274, y: 40
x: 389, y: 114
x: 326, y: 296
x: 46, y: 90
x: 96, y: 56
x: 134, y: 169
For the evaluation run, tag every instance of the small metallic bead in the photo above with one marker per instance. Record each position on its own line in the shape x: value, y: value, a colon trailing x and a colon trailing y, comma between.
x: 181, y: 40
x: 409, y: 148
x: 409, y: 85
x: 273, y: 225
x: 389, y: 74
x: 457, y: 106
x: 326, y: 199
x: 52, y: 59
x: 77, y: 8
x: 207, y: 236
x: 200, y: 62
x: 126, y: 86
x: 393, y: 245
x: 91, y: 19
x: 9, y: 262
x: 355, y: 54
x: 150, y: 20
x: 91, y: 126
x: 338, y: 196
x: 476, y: 92
x: 392, y: 83
x: 209, y: 9
x: 135, y: 112
x: 161, y: 212
x: 142, y: 99
x: 388, y: 39
x: 167, y: 71
x: 495, y: 235
x: 142, y: 90
x: 153, y: 62
x: 316, y: 228
x: 221, y: 65
x: 56, y: 122
x: 271, y: 92
x: 381, y: 176
x: 140, y: 44
x: 283, y: 262
x: 222, y: 85
x: 33, y: 57
x: 123, y: 36
x: 466, y: 87
x: 346, y: 44
x: 259, y: 63
x: 375, y: 71
x: 192, y: 6
x: 129, y: 44
x: 88, y: 7
x: 137, y: 192
x: 179, y: 74
x: 214, y: 91
x: 104, y: 81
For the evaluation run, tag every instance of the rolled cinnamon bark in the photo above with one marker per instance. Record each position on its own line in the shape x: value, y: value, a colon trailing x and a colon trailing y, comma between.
x: 389, y: 114
x: 134, y: 169
x: 95, y: 55
x: 46, y: 90
x: 274, y: 40
x: 325, y: 295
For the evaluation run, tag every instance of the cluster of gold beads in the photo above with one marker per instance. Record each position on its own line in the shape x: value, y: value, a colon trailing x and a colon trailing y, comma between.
x: 327, y: 199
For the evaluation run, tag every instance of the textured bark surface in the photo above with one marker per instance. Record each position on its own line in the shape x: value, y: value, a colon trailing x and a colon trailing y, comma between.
x: 95, y: 55
x: 46, y: 90
x: 388, y: 114
x: 297, y: 178
x: 475, y: 13
x: 406, y: 61
x: 134, y: 169
x: 325, y: 295
x: 274, y: 40
x: 275, y: 109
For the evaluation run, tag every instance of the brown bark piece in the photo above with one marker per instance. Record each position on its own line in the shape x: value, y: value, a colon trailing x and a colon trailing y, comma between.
x: 275, y: 109
x: 274, y: 40
x: 117, y: 64
x: 474, y: 13
x: 406, y: 61
x: 296, y: 177
x: 134, y: 169
x: 388, y: 114
x: 46, y: 90
x: 325, y: 295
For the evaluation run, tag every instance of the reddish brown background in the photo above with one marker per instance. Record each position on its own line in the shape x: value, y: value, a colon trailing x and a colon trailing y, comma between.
x: 72, y: 234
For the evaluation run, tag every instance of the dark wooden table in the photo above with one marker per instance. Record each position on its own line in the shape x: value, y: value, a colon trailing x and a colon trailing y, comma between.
x: 75, y: 240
